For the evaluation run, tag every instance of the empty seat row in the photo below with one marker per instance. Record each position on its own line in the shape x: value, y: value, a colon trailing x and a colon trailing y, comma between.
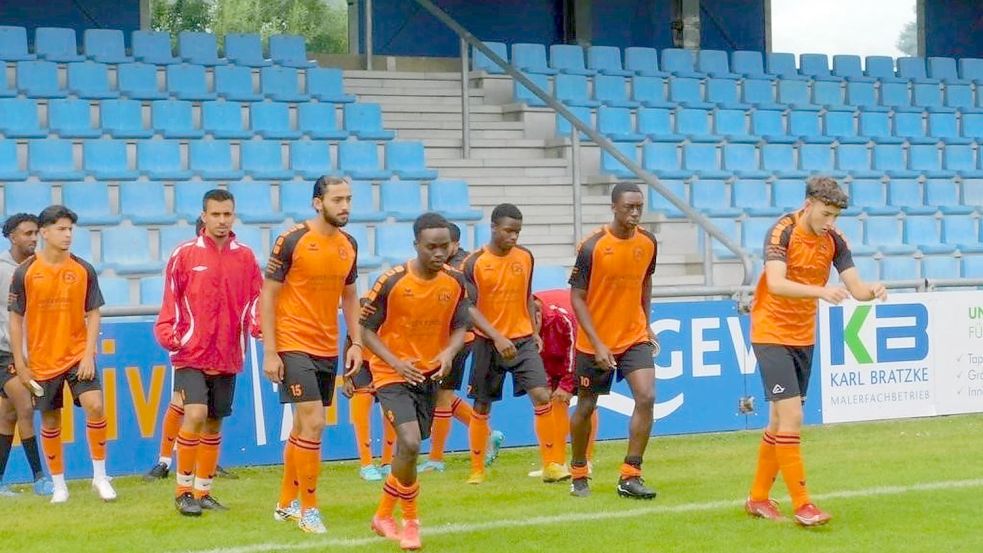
x: 107, y: 46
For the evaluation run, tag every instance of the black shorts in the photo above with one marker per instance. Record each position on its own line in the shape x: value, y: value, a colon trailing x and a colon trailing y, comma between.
x: 307, y: 377
x: 53, y: 397
x: 217, y: 391
x: 454, y: 380
x: 404, y: 402
x: 7, y: 370
x: 599, y: 381
x: 363, y: 378
x: 488, y: 369
x: 785, y: 370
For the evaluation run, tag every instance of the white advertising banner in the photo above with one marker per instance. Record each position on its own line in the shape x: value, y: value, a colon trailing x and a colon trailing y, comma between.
x: 958, y: 346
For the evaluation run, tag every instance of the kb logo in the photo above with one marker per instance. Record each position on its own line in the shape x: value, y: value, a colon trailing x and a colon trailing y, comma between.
x: 899, y: 333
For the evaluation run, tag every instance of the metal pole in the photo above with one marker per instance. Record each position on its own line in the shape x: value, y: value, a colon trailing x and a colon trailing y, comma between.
x: 465, y: 103
x: 368, y: 35
x: 578, y: 208
x: 707, y: 257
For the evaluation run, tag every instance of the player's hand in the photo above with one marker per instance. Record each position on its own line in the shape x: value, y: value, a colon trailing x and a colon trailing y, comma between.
x: 654, y: 342
x: 24, y: 375
x: 407, y: 369
x: 273, y: 367
x: 561, y: 395
x: 347, y: 386
x: 505, y: 347
x: 539, y: 342
x: 87, y: 368
x: 446, y: 362
x: 878, y: 291
x: 604, y: 358
x: 353, y: 360
x: 834, y: 294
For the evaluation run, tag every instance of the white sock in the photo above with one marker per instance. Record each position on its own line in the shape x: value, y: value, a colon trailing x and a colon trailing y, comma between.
x: 166, y: 461
x: 58, y: 480
x: 98, y: 469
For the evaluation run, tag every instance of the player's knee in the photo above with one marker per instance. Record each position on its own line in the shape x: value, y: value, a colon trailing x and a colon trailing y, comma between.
x: 93, y: 408
x: 645, y: 400
x: 8, y: 416
x: 539, y: 396
x: 586, y: 403
x: 408, y: 446
x: 481, y: 407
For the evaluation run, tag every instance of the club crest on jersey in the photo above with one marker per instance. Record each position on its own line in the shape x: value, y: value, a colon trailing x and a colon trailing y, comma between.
x: 69, y: 277
x: 444, y: 296
x: 342, y: 253
x: 637, y: 253
x: 516, y: 268
x: 608, y: 250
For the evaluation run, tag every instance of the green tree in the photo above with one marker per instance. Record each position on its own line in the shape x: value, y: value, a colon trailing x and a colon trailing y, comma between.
x: 180, y: 15
x: 907, y: 42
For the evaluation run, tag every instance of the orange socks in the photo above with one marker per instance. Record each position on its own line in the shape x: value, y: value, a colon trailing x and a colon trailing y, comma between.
x: 388, y: 440
x: 545, y: 433
x: 478, y: 432
x: 169, y: 429
x: 307, y: 457
x: 593, y: 435
x: 95, y: 434
x: 360, y: 413
x: 206, y: 463
x: 561, y: 429
x: 390, y: 495
x: 187, y: 452
x: 52, y: 447
x: 438, y: 435
x: 767, y: 470
x: 289, y: 484
x: 789, y: 455
x: 407, y: 500
x: 462, y: 411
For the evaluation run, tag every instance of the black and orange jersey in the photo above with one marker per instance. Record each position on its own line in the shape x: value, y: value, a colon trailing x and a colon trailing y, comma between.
x: 414, y: 317
x: 614, y: 272
x: 314, y: 269
x: 502, y: 288
x: 808, y: 258
x: 53, y: 299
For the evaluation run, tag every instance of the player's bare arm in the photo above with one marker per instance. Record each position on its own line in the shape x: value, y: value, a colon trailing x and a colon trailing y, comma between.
x: 404, y: 367
x: 780, y: 285
x: 350, y: 309
x: 17, y: 348
x: 272, y: 364
x: 537, y: 323
x: 87, y: 366
x: 603, y: 355
x: 860, y: 290
x: 445, y: 359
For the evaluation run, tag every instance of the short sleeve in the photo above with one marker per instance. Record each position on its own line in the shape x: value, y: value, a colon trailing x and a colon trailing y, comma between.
x: 580, y: 275
x: 373, y: 312
x: 353, y: 273
x: 650, y: 270
x: 777, y: 240
x: 462, y: 317
x: 93, y: 294
x: 466, y: 276
x: 842, y: 256
x: 281, y: 258
x: 17, y: 295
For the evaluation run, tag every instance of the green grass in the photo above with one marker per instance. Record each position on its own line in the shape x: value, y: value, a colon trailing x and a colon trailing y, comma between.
x: 701, y: 480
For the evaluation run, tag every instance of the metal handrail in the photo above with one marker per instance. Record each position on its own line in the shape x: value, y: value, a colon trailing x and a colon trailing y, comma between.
x: 598, y: 139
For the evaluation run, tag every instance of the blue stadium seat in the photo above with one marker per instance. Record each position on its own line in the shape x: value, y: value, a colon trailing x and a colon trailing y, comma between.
x: 482, y: 234
x: 254, y: 201
x: 123, y: 119
x: 106, y: 160
x: 144, y: 203
x: 610, y: 90
x: 897, y: 97
x: 657, y: 125
x: 973, y: 192
x: 252, y: 237
x: 863, y: 95
x: 680, y: 63
x: 616, y: 124
x: 944, y: 194
x: 153, y: 47
x: 795, y: 94
x: 724, y: 93
x: 187, y: 82
x: 650, y: 92
x: 788, y: 194
x: 564, y: 127
x: 5, y: 90
x: 9, y: 166
x: 363, y: 204
x: 695, y: 124
x: 961, y: 230
x: 973, y: 125
x: 90, y: 80
x: 289, y: 51
x: 657, y: 203
x: 82, y: 246
x: 829, y: 94
x: 849, y: 68
x: 885, y: 233
x: 212, y: 159
x: 90, y: 200
x: 327, y: 85
x: 549, y: 277
x: 907, y: 194
x: 569, y: 59
x: 972, y: 266
x: 925, y: 159
x: 13, y: 44
x: 310, y: 159
x: 710, y: 196
x: 805, y: 125
x: 187, y: 200
x: 927, y: 96
x: 20, y: 118
x: 610, y: 165
x: 235, y: 83
x: 280, y: 85
x: 750, y: 64
x: 882, y: 69
x: 173, y: 119
x: 161, y: 160
x: 223, y: 120
x: 69, y: 118
x: 573, y: 90
x: 319, y: 121
x: 661, y: 159
x: 394, y: 242
x: 853, y: 229
x: 760, y: 93
x: 869, y: 194
x: 961, y: 159
x: 366, y: 254
x: 940, y: 267
x: 945, y: 127
x: 687, y: 92
x: 271, y: 120
x: 899, y: 268
x: 450, y: 198
x: 716, y: 64
x: 959, y: 97
x: 842, y: 126
x: 365, y: 122
x: 138, y: 81
x: 296, y: 198
x: 780, y: 160
x: 877, y: 126
x: 151, y: 290
x: 742, y: 161
x: 732, y: 124
x: 263, y: 159
x: 531, y: 58
x: 771, y: 126
x: 105, y: 46
x: 198, y: 48
x: 56, y: 44
x: 702, y: 160
x: 782, y: 65
x: 754, y: 230
x: 923, y: 232
x: 606, y: 60
x: 124, y: 250
x: 643, y: 62
x: 752, y: 196
x: 360, y: 160
x: 481, y: 62
x: 816, y: 66
x: 115, y: 290
x: 866, y: 266
x: 911, y: 126
x: 52, y: 160
x: 889, y: 158
x: 523, y: 95
x: 39, y: 79
x: 971, y: 69
x: 727, y: 225
x: 406, y: 160
x: 245, y: 49
x: 913, y: 69
x: 26, y: 197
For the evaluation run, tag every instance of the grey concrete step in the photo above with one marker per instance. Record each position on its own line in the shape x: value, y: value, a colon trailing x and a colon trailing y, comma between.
x: 455, y: 134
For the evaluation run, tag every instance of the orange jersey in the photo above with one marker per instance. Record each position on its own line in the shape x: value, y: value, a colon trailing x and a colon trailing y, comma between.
x: 414, y: 318
x: 808, y: 257
x: 53, y: 299
x: 314, y: 269
x: 502, y: 286
x: 614, y: 272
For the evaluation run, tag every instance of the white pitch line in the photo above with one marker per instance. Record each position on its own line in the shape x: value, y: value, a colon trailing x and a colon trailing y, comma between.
x: 466, y: 528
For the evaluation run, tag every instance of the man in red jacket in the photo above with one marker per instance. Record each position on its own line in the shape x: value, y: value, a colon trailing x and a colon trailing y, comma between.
x: 211, y: 286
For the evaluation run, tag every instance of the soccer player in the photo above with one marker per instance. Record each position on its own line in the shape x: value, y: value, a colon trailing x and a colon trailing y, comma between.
x: 799, y: 251
x: 54, y: 319
x: 507, y: 340
x: 16, y: 407
x: 611, y: 290
x: 311, y: 269
x: 449, y: 404
x: 361, y: 395
x: 211, y: 286
x: 414, y: 325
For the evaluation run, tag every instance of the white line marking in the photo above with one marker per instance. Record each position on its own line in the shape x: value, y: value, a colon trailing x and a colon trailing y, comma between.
x: 578, y: 517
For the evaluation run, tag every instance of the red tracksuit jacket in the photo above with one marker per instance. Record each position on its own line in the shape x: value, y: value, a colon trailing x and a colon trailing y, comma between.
x: 209, y: 304
x: 558, y: 331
